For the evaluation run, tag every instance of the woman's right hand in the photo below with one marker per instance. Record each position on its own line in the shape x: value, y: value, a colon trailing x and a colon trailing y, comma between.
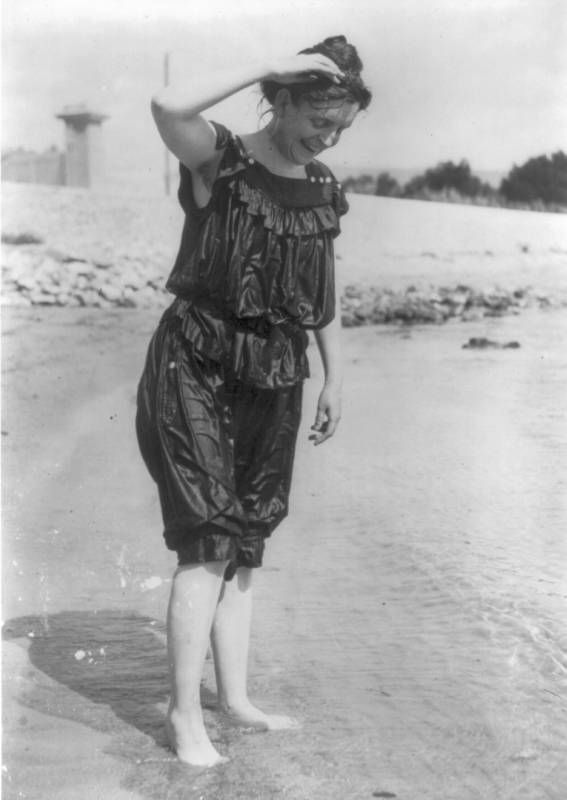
x: 299, y: 68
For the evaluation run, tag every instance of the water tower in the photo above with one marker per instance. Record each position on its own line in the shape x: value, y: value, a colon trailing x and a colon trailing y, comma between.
x: 84, y: 161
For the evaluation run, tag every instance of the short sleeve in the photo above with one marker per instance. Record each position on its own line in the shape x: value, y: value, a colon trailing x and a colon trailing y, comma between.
x: 224, y: 136
x: 225, y: 141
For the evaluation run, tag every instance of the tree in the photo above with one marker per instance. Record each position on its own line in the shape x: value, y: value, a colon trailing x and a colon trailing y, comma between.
x: 542, y: 178
x: 387, y: 186
x: 361, y: 184
x: 448, y: 177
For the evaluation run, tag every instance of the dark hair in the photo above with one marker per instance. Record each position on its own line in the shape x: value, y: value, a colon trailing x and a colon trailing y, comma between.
x: 321, y: 89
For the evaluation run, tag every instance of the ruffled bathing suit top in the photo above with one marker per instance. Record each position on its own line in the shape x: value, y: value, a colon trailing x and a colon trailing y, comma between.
x: 255, y: 266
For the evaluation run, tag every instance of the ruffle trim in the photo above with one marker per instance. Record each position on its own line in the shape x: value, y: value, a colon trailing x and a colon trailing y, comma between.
x: 310, y: 221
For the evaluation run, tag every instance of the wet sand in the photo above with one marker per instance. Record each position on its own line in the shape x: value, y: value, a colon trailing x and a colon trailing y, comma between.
x: 410, y: 610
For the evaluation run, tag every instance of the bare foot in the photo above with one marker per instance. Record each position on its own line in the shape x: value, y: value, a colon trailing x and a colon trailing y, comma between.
x: 190, y: 742
x: 244, y: 713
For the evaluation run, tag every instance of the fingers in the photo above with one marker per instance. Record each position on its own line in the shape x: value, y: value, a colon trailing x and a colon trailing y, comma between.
x: 306, y: 66
x: 324, y: 428
x: 326, y: 66
x: 320, y: 419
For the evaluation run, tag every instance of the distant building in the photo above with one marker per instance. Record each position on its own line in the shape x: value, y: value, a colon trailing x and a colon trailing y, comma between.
x: 82, y: 163
x: 84, y: 159
x: 26, y: 166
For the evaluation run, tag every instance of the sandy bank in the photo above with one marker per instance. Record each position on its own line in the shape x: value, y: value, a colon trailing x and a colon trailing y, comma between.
x: 397, y: 261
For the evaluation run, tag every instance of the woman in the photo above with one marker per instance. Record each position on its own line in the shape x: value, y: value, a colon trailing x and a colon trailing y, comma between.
x: 219, y: 402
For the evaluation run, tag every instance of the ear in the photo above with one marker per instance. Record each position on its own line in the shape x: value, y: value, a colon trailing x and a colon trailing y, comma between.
x: 281, y: 101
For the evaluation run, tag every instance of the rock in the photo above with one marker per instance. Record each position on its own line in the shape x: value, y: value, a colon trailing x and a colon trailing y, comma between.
x: 48, y: 270
x: 21, y: 238
x: 481, y: 343
x: 18, y: 262
x: 82, y: 283
x: 40, y: 298
x: 146, y: 297
x: 26, y: 282
x: 351, y: 291
x: 472, y: 314
x: 114, y: 294
x: 129, y: 297
x: 15, y: 300
x: 90, y: 297
x: 76, y: 269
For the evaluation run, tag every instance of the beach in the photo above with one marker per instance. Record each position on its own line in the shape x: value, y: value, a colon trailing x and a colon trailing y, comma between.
x: 411, y: 608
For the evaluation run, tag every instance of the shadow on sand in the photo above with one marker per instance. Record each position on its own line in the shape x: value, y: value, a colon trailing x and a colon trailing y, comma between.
x: 108, y: 670
x: 115, y: 660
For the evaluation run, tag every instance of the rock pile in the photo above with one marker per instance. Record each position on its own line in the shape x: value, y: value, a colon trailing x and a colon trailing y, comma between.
x: 73, y: 247
x: 372, y: 305
x: 68, y: 246
x: 34, y: 275
x: 37, y: 275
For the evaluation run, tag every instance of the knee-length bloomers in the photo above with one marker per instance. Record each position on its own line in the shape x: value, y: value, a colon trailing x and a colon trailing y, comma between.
x: 219, y: 401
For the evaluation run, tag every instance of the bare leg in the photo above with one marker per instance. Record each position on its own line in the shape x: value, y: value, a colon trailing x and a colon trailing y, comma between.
x: 194, y: 596
x: 230, y: 640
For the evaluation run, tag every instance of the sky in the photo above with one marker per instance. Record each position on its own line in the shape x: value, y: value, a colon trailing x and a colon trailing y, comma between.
x: 484, y: 80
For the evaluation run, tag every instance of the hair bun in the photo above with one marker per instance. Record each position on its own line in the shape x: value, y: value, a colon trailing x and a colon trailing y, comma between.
x: 338, y: 49
x: 331, y: 40
x: 322, y: 88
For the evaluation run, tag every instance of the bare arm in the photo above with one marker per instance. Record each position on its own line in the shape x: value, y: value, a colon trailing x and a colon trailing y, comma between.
x: 177, y: 110
x: 329, y: 404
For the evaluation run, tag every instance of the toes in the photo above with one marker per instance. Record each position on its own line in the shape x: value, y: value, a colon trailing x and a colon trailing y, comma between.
x: 283, y: 723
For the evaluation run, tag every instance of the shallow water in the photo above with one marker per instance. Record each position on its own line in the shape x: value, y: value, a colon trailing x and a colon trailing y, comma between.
x: 411, y: 609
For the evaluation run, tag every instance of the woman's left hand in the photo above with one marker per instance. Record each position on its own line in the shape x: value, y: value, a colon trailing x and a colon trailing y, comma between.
x: 328, y: 414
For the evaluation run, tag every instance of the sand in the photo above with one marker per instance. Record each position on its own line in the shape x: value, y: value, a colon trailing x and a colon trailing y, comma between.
x: 410, y: 610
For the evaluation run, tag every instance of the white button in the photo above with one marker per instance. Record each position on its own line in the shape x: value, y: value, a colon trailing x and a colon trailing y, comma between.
x: 321, y: 180
x: 312, y: 179
x: 250, y: 160
x: 328, y: 180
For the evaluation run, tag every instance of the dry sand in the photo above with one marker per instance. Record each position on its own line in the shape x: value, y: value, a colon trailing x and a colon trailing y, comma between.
x: 410, y: 610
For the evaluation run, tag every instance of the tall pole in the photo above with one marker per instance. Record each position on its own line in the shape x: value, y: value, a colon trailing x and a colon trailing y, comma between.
x: 166, y: 154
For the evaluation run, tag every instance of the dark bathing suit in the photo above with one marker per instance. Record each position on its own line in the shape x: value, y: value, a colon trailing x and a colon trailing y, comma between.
x: 219, y: 401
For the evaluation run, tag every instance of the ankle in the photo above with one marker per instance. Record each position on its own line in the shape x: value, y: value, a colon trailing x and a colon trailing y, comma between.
x: 229, y: 703
x: 185, y: 716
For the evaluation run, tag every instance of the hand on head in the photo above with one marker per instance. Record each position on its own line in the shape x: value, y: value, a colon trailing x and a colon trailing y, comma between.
x: 328, y: 70
x: 302, y: 68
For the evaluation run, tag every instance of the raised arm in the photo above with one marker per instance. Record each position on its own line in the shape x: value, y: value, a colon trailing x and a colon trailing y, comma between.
x: 177, y: 112
x: 177, y: 109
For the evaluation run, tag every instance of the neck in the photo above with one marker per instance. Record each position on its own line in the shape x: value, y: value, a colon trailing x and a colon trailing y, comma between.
x: 264, y: 147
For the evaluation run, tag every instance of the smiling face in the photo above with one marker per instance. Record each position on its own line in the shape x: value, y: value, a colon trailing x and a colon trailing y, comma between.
x: 304, y: 130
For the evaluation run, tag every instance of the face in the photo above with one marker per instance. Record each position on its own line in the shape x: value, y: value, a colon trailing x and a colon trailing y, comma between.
x: 303, y: 131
